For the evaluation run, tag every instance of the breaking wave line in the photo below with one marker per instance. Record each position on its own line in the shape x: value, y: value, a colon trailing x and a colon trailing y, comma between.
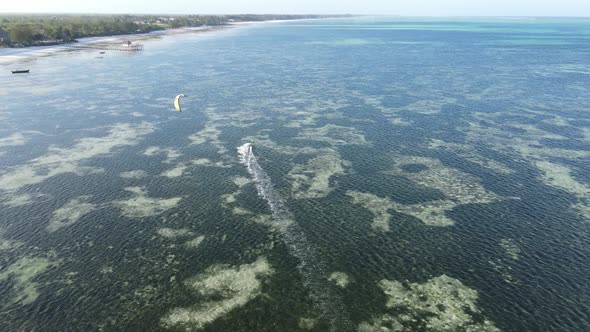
x: 315, y: 278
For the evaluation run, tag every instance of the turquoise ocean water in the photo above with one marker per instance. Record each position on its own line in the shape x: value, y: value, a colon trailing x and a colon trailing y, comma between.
x: 405, y: 174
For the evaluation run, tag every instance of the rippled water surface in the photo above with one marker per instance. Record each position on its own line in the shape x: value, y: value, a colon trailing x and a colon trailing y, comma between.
x: 330, y: 175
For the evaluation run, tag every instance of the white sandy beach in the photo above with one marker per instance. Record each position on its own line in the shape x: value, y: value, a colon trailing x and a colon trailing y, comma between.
x: 15, y: 56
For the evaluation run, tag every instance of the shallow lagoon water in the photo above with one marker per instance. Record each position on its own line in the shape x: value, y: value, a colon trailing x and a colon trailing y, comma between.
x: 435, y: 172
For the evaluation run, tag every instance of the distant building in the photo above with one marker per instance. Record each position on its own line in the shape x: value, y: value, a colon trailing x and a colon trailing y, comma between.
x: 4, y: 37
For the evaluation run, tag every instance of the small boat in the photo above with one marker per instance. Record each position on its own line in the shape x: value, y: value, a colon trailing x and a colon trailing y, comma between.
x: 102, y: 52
x: 20, y: 71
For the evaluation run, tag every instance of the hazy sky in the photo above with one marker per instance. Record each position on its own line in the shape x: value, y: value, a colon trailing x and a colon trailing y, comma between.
x: 388, y: 7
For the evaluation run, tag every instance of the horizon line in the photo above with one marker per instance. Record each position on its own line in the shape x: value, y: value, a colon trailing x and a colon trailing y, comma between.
x: 269, y: 14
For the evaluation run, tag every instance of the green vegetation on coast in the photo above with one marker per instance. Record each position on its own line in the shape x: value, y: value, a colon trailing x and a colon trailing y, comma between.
x: 34, y: 30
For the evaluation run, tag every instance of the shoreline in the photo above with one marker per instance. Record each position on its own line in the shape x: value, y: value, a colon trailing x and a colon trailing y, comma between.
x: 122, y: 39
x: 11, y: 56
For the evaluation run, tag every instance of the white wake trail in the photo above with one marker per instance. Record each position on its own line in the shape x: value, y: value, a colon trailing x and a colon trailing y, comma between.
x: 264, y: 186
x: 310, y: 266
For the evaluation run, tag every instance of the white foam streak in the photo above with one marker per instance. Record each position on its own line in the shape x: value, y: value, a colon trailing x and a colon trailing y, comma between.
x: 264, y: 186
x: 310, y: 266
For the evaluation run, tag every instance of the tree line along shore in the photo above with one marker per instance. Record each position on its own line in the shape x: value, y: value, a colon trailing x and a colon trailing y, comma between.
x: 38, y: 30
